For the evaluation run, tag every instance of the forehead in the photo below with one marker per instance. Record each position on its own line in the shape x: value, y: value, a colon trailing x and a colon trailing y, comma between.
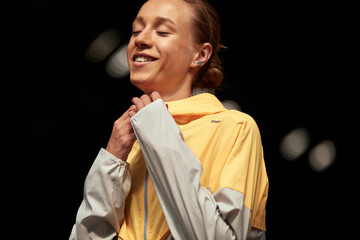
x: 175, y: 10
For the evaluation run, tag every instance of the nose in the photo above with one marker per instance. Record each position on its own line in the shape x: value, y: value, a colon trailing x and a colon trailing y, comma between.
x: 143, y: 39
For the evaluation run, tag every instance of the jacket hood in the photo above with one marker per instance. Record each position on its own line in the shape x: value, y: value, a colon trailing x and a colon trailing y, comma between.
x: 188, y: 109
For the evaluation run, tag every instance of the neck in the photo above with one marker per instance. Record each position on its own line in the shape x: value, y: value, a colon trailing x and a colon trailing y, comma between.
x: 178, y: 95
x: 174, y: 93
x: 180, y: 91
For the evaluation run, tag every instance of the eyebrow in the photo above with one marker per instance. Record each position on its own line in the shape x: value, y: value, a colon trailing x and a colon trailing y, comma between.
x: 158, y: 20
x: 161, y: 20
x: 139, y: 20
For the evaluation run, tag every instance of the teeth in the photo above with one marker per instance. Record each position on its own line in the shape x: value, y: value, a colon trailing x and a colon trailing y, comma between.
x: 144, y: 59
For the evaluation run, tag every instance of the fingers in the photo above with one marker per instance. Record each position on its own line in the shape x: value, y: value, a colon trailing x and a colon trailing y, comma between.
x: 122, y: 125
x: 126, y: 114
x: 132, y: 111
x: 122, y: 137
x: 155, y: 96
x: 145, y: 100
x: 141, y: 102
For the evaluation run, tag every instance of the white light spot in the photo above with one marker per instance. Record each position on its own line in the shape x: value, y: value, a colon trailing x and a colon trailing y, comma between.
x: 117, y: 65
x: 197, y: 91
x: 294, y: 144
x: 103, y: 45
x: 231, y: 105
x: 322, y: 155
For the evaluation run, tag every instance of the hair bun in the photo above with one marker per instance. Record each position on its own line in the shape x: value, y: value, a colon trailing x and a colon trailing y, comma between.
x: 207, y: 30
x: 213, y: 76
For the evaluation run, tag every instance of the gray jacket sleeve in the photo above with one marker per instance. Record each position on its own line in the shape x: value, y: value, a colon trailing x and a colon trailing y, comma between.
x: 106, y: 187
x: 191, y: 211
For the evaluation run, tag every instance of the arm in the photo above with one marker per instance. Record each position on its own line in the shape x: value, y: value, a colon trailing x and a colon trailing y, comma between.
x: 191, y: 211
x: 107, y: 185
x: 101, y: 212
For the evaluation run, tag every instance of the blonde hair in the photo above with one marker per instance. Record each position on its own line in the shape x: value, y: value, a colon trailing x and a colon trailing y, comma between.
x: 207, y: 30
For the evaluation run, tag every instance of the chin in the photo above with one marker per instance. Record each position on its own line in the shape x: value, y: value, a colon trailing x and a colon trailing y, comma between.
x: 145, y: 84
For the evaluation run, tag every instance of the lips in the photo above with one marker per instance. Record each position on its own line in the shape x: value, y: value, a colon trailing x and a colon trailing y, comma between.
x: 143, y: 57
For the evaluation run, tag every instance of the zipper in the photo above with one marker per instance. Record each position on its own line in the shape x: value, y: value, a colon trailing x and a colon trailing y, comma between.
x: 146, y: 203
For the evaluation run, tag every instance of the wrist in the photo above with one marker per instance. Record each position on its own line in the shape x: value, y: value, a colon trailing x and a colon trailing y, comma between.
x: 117, y: 154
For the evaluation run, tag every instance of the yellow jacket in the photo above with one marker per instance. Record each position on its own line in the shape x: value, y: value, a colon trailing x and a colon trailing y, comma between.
x: 201, y: 176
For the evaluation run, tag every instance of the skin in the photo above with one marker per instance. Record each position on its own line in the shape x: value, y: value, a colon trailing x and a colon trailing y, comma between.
x: 161, y: 32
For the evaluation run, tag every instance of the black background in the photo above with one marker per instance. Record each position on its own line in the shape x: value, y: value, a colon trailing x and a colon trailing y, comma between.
x: 287, y: 66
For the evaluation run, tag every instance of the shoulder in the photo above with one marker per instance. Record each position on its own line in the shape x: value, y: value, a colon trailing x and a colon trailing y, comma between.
x: 239, y: 118
x: 240, y: 122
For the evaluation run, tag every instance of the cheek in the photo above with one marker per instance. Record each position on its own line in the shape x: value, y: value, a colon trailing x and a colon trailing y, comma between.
x: 129, y: 50
x: 176, y: 55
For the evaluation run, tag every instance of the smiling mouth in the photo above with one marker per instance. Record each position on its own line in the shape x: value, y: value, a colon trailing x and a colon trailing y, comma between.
x: 144, y: 59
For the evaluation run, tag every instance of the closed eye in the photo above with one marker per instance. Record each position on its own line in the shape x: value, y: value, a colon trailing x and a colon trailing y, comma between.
x: 161, y: 33
x: 135, y: 33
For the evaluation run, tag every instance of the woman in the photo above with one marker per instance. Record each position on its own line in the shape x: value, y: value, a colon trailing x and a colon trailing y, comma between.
x: 187, y: 169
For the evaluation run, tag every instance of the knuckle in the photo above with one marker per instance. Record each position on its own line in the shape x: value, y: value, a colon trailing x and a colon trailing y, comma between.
x: 135, y: 100
x: 116, y: 123
x: 125, y: 141
x: 155, y: 95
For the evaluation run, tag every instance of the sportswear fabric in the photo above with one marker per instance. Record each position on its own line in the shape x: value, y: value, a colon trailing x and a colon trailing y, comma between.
x: 196, y: 172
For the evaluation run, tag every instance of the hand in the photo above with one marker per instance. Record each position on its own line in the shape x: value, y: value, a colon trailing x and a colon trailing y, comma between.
x: 144, y: 100
x: 122, y: 137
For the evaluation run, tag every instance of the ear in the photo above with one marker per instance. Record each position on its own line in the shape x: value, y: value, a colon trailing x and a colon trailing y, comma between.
x: 202, y: 55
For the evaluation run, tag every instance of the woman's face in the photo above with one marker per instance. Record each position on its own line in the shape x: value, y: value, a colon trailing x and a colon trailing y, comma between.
x: 160, y: 52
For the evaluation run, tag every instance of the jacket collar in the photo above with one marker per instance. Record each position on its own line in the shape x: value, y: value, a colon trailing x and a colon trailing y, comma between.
x: 188, y: 109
